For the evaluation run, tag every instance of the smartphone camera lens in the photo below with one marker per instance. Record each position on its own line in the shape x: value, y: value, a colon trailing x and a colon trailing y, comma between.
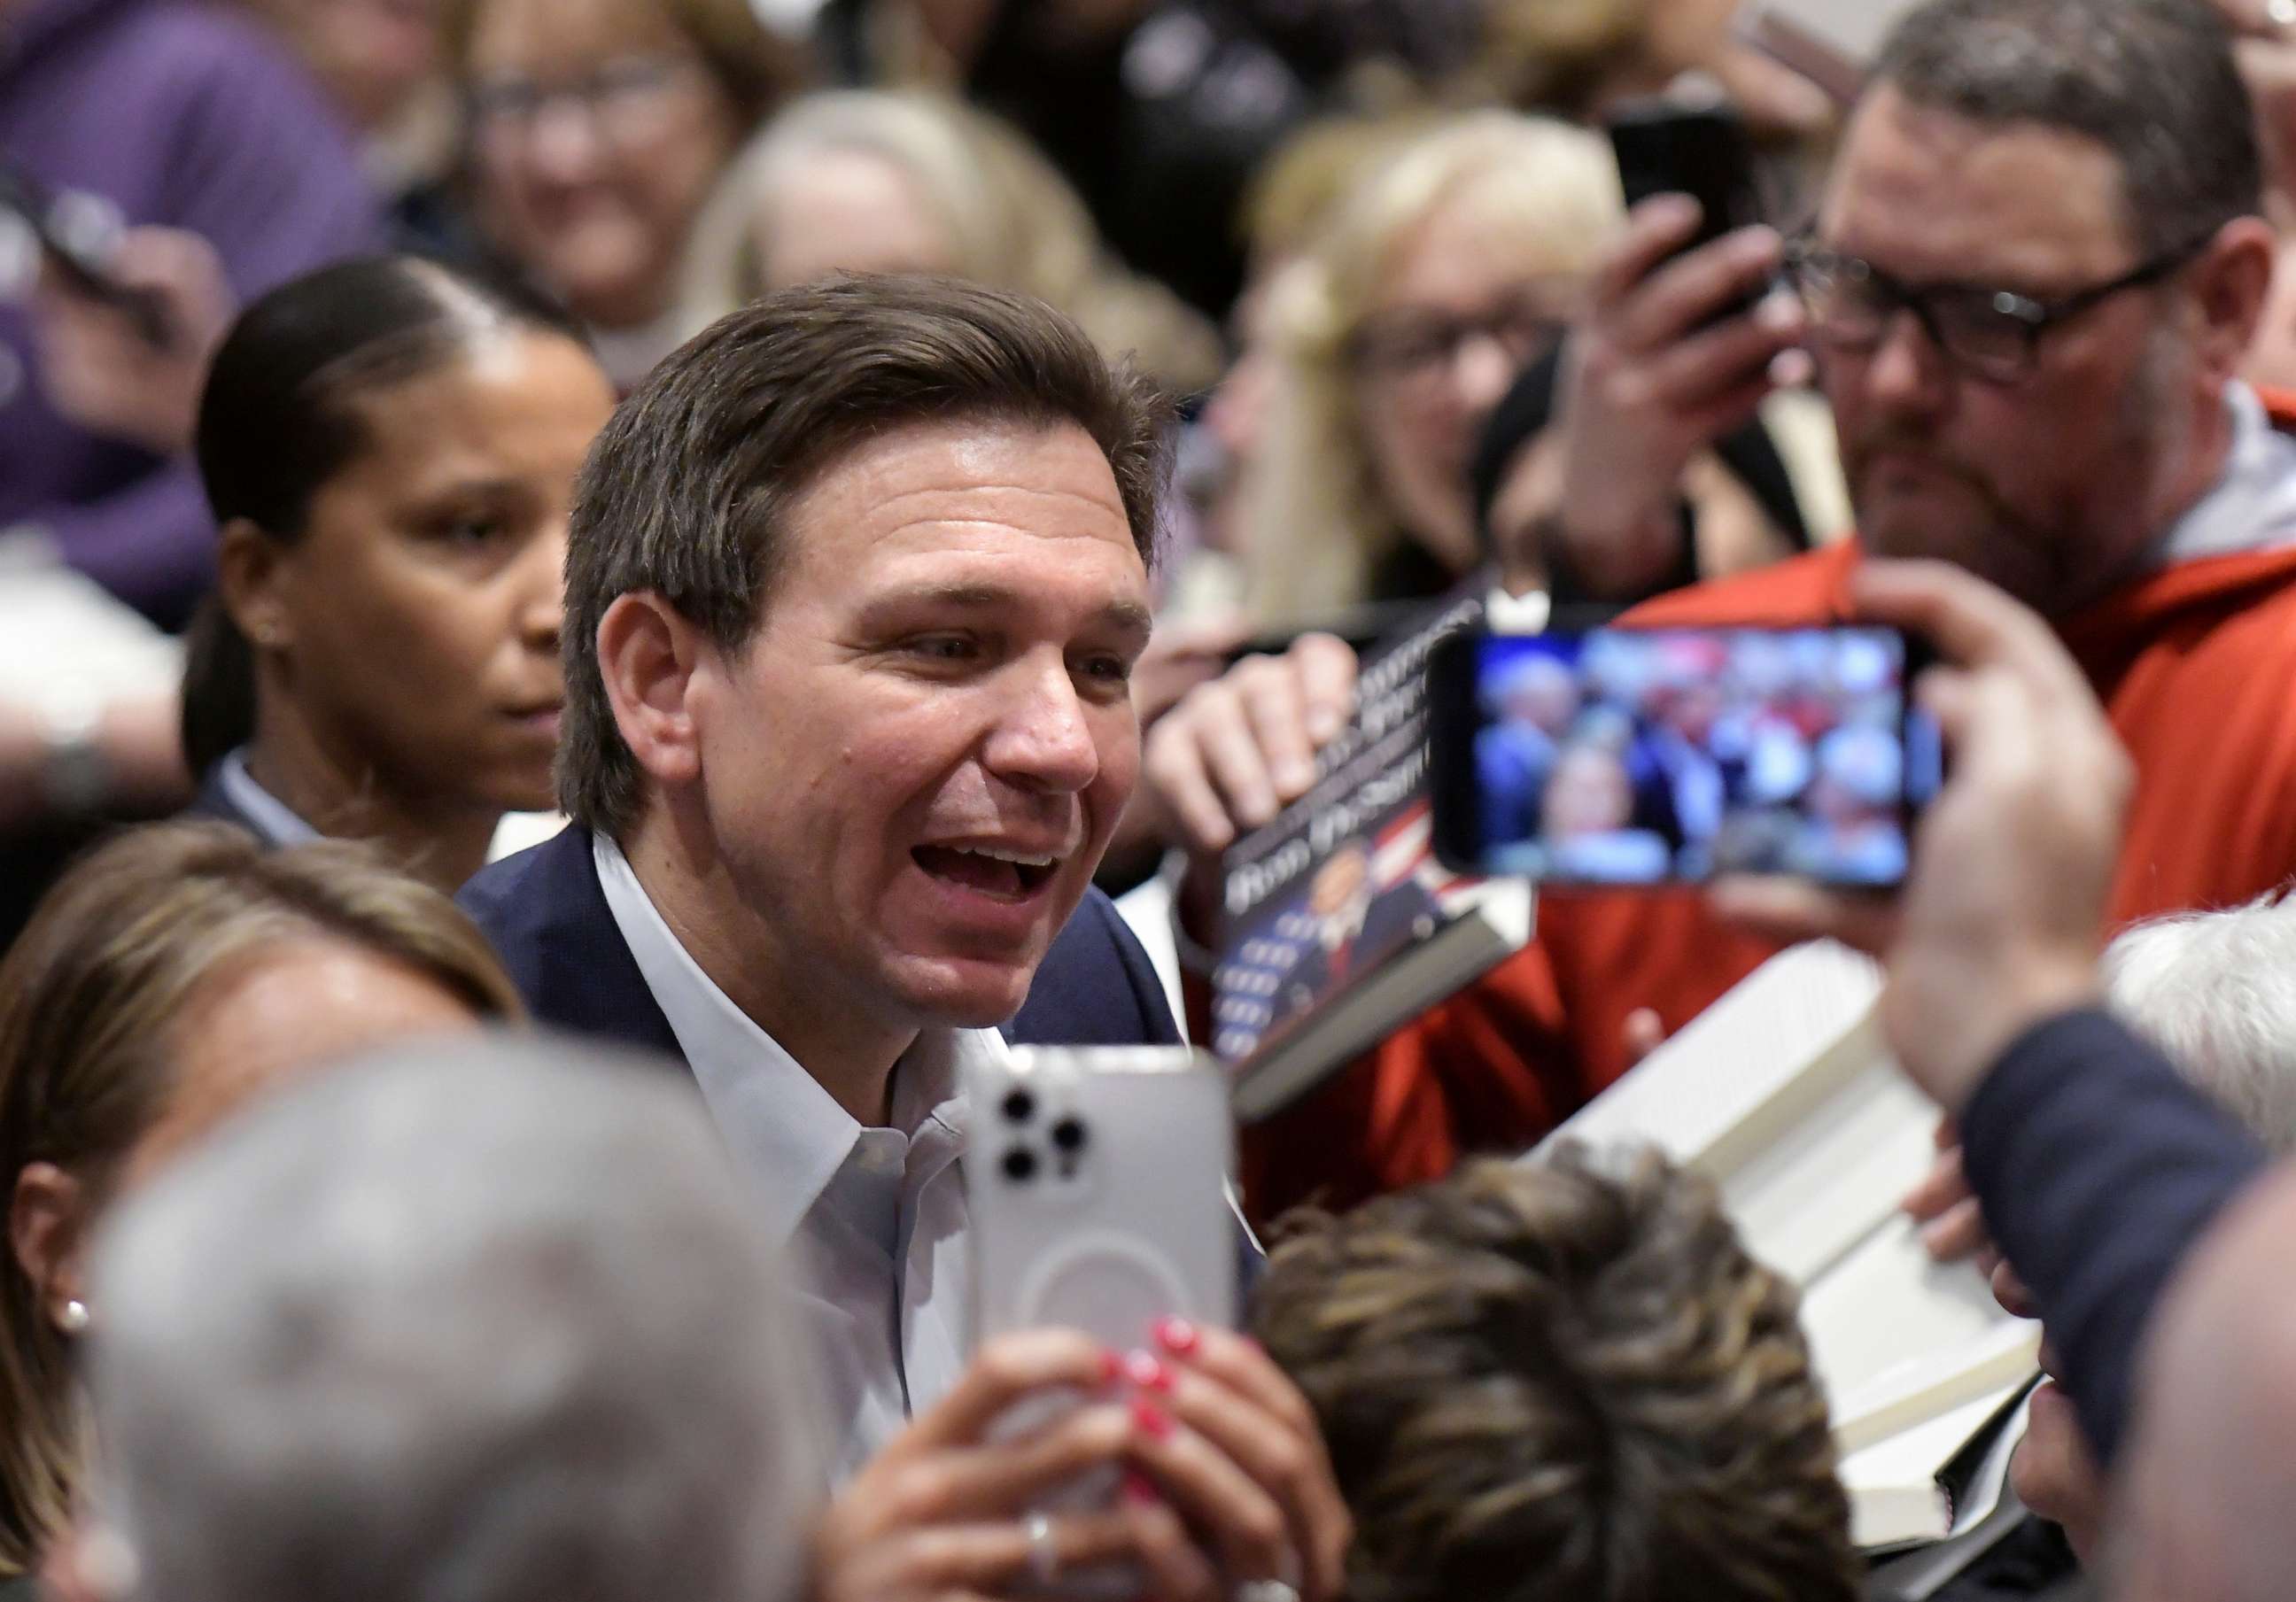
x: 1069, y: 1135
x: 1019, y: 1165
x: 1020, y: 1106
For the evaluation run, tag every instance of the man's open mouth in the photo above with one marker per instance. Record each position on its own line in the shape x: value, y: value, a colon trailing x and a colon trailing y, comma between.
x: 1005, y: 872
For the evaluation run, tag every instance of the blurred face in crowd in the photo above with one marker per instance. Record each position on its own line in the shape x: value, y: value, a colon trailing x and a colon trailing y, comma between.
x: 1587, y: 794
x: 262, y: 1021
x: 2051, y: 483
x: 416, y: 623
x: 597, y: 134
x: 370, y: 54
x: 1462, y: 308
x: 846, y: 210
x: 915, y: 763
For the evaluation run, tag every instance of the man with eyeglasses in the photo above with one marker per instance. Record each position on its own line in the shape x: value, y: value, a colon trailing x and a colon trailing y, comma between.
x: 2027, y: 294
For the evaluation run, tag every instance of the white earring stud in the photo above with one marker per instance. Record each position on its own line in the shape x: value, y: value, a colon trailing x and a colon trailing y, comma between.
x: 75, y: 1318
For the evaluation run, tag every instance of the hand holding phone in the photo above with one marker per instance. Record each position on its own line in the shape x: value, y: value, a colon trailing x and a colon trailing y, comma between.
x: 943, y: 1510
x: 98, y: 366
x: 1683, y: 341
x: 79, y: 265
x: 1096, y: 1181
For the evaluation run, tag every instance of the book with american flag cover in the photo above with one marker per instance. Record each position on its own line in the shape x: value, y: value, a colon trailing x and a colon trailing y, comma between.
x: 1340, y: 925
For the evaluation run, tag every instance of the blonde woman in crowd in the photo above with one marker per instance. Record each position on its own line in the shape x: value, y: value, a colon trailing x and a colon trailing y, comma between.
x: 913, y: 181
x: 1459, y: 259
x: 1432, y: 289
x: 598, y: 128
x: 166, y: 980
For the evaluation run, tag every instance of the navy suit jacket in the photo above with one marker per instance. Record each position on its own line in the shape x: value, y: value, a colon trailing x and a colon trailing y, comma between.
x: 548, y: 918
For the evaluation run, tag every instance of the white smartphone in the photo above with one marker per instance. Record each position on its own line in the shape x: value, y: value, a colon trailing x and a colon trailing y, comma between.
x: 1098, y: 1183
x: 1097, y: 1180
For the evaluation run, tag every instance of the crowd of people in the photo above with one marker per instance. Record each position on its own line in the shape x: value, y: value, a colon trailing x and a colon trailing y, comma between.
x: 599, y: 596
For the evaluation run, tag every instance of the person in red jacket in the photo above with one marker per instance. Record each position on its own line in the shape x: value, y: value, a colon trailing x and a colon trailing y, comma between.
x: 2038, y: 266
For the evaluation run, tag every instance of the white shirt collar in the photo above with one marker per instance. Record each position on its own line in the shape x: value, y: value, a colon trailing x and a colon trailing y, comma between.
x: 786, y: 1134
x: 277, y: 821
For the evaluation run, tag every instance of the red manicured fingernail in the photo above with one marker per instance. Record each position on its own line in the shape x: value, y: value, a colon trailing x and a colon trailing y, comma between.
x: 1145, y: 1371
x: 1111, y: 1367
x: 1140, y: 1489
x: 1152, y: 1420
x: 1177, y: 1335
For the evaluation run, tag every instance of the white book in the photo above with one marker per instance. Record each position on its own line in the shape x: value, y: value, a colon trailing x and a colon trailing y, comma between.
x: 1784, y: 1095
x: 1894, y: 1494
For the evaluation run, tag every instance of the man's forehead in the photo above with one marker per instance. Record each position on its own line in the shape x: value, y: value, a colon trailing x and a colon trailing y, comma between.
x: 1929, y: 194
x: 937, y: 493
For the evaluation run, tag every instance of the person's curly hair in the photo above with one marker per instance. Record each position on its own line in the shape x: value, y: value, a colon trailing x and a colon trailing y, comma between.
x: 1552, y: 1381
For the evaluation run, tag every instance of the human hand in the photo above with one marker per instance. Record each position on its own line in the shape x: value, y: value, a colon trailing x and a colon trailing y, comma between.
x: 1235, y: 1447
x: 943, y: 1510
x: 1650, y: 379
x: 2000, y: 922
x: 1945, y: 1206
x: 1239, y: 749
x: 101, y: 372
x: 2265, y: 37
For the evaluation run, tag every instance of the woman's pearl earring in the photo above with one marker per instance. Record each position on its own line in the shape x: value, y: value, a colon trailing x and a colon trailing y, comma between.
x: 75, y: 1318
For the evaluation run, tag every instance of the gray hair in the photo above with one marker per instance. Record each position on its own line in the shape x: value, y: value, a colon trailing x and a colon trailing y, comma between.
x: 686, y: 492
x: 483, y: 1324
x: 2217, y: 992
x: 2154, y: 82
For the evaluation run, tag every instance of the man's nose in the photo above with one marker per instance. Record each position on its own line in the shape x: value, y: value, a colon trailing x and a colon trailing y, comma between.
x: 1043, y: 737
x: 1907, y: 370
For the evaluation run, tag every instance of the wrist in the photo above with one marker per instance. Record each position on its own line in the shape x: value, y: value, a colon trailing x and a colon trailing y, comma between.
x: 1952, y: 1054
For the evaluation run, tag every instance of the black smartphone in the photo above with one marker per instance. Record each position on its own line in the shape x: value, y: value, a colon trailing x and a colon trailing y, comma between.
x: 84, y: 267
x: 1665, y: 147
x: 1663, y: 756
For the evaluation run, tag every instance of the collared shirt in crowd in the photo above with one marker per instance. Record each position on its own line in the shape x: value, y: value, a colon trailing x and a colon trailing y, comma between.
x: 267, y: 814
x: 875, y: 1218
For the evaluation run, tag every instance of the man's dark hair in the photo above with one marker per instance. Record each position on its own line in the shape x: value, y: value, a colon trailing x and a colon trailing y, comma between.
x: 684, y: 492
x: 1560, y: 1383
x: 2154, y: 81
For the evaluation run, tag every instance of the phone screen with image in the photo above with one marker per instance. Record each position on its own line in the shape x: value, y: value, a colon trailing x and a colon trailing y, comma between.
x: 1631, y: 757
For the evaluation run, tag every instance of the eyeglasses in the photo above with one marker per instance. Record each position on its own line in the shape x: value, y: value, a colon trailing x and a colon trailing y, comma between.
x: 1995, y: 333
x: 1415, y: 346
x: 622, y: 96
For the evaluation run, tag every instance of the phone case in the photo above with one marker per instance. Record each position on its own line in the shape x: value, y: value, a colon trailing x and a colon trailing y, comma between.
x: 1097, y: 1183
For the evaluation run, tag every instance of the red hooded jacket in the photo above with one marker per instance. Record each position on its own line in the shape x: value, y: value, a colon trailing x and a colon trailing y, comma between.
x: 2196, y: 665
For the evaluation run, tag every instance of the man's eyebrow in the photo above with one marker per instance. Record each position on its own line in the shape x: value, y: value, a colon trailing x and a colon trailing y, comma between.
x: 1128, y: 616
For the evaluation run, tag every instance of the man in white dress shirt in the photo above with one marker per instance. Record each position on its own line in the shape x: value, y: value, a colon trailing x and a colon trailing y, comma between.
x: 856, y: 582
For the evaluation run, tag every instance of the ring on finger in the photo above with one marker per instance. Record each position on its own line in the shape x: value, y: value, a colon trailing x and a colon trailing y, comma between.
x: 1044, y: 1556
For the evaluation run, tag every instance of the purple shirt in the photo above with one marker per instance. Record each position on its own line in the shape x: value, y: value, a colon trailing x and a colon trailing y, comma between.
x: 174, y: 113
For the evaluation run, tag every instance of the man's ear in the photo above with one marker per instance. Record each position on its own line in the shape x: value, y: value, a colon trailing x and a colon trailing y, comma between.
x: 2231, y: 281
x: 647, y: 654
x: 249, y: 573
x: 48, y: 1232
